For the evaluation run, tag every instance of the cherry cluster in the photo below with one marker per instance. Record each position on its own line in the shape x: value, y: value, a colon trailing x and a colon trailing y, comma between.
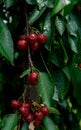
x: 30, y: 111
x: 33, y: 40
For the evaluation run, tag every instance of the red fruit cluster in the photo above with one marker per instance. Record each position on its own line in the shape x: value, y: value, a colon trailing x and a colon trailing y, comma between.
x: 32, y: 78
x: 29, y: 112
x: 33, y: 40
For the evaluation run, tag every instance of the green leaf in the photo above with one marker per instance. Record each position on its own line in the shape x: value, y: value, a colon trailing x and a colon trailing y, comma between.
x: 72, y: 27
x: 36, y: 13
x: 69, y: 7
x: 60, y: 26
x: 55, y: 56
x: 49, y: 3
x: 6, y: 43
x: 26, y: 72
x: 53, y: 110
x: 75, y: 74
x: 66, y: 71
x: 40, y: 4
x: 47, y: 30
x: 9, y: 3
x: 56, y: 95
x: 24, y: 126
x: 61, y: 82
x: 59, y: 5
x: 31, y: 1
x: 9, y: 122
x: 65, y: 53
x: 46, y: 88
x: 73, y: 44
x: 49, y: 123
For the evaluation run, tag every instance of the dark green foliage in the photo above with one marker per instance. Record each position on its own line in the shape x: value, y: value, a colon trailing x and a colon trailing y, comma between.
x: 59, y: 81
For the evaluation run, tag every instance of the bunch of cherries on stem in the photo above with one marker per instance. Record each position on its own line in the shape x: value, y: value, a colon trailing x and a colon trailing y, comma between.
x: 30, y: 111
x: 33, y: 40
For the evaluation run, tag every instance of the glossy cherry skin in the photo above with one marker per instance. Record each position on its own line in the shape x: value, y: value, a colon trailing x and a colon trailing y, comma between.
x: 15, y: 104
x: 33, y: 78
x: 22, y: 44
x: 37, y: 122
x: 35, y: 46
x: 32, y: 38
x: 24, y: 111
x: 27, y: 105
x: 42, y: 39
x: 39, y: 115
x: 45, y: 110
x: 30, y: 117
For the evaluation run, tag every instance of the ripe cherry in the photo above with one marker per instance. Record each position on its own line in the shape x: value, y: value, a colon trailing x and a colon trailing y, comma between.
x: 27, y: 105
x: 37, y: 122
x: 79, y: 65
x: 30, y: 117
x: 33, y: 78
x: 15, y: 104
x: 39, y: 115
x: 35, y: 46
x: 42, y: 39
x: 32, y: 38
x: 22, y: 44
x: 45, y: 110
x: 24, y: 111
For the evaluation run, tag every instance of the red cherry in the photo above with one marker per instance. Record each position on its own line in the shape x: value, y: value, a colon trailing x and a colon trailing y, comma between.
x: 37, y: 123
x: 27, y: 105
x: 45, y: 110
x: 32, y: 38
x: 39, y: 115
x: 79, y: 65
x: 30, y: 117
x: 22, y: 44
x: 24, y: 111
x: 42, y: 39
x: 33, y: 78
x: 15, y: 104
x: 35, y: 46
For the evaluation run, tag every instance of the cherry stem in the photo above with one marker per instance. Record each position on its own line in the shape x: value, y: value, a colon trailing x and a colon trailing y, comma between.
x: 27, y: 32
x: 45, y: 65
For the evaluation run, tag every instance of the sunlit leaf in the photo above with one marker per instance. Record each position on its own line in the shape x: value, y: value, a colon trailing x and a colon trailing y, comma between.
x: 50, y: 3
x: 59, y: 5
x: 73, y: 44
x: 60, y: 26
x: 40, y: 4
